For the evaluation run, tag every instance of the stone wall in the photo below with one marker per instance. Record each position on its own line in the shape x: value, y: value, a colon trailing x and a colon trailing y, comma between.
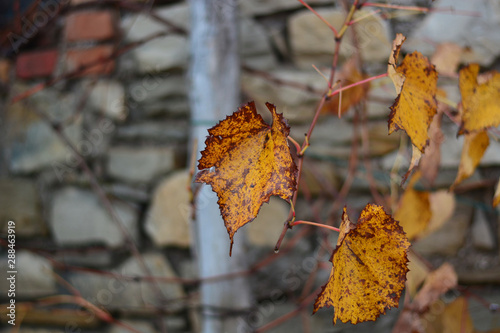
x: 111, y: 83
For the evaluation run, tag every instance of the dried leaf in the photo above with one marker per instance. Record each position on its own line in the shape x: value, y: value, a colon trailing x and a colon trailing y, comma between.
x: 349, y: 74
x: 408, y: 322
x: 436, y: 284
x: 446, y: 58
x: 396, y: 77
x: 246, y: 161
x: 413, y: 317
x: 369, y: 267
x: 475, y: 145
x: 496, y: 197
x: 416, y: 105
x: 414, y: 211
x: 480, y: 96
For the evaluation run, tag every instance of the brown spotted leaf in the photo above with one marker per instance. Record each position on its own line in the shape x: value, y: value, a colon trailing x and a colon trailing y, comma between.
x: 369, y: 267
x: 480, y: 96
x: 246, y: 161
x: 415, y: 105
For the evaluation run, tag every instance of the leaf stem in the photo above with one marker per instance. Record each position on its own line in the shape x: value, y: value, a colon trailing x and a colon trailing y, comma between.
x: 338, y: 39
x: 364, y: 17
x: 295, y: 143
x: 346, y: 22
x: 316, y: 225
x: 333, y: 93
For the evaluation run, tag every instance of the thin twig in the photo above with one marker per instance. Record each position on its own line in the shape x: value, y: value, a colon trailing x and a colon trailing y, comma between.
x: 449, y: 10
x: 319, y: 16
x: 326, y: 226
x: 337, y: 91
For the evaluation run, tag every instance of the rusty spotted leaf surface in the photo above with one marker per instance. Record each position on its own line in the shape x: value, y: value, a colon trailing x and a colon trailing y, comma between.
x: 246, y: 161
x: 369, y: 267
x: 414, y: 209
x: 475, y: 144
x: 480, y: 96
x: 416, y: 105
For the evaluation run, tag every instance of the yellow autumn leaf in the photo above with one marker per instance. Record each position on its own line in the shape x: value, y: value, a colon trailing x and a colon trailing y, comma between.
x: 415, y: 105
x: 369, y: 267
x: 414, y: 210
x: 475, y: 144
x: 246, y: 161
x: 480, y: 96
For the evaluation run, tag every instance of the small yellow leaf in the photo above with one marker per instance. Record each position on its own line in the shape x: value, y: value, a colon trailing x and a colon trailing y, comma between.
x: 475, y: 145
x: 416, y: 105
x: 369, y: 267
x: 246, y: 161
x: 479, y: 99
x: 414, y: 211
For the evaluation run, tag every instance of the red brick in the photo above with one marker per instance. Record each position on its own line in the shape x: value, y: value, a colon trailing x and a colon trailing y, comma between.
x: 90, y: 25
x: 5, y: 67
x: 76, y: 58
x: 36, y: 64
